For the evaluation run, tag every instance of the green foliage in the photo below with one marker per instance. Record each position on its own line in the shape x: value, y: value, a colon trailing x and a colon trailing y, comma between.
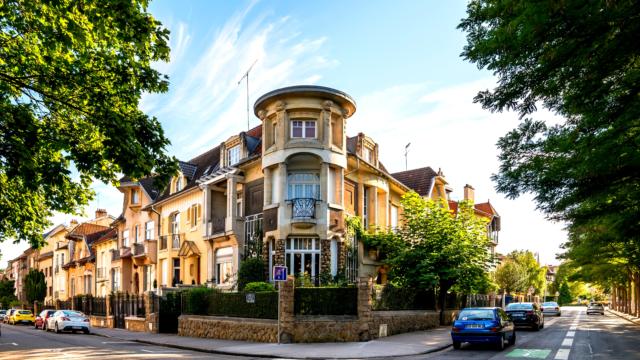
x: 580, y: 60
x: 71, y: 77
x: 197, y: 300
x: 565, y: 294
x: 236, y: 305
x: 259, y: 286
x: 251, y: 270
x: 7, y: 295
x: 326, y: 301
x: 511, y: 277
x: 391, y: 297
x: 35, y: 286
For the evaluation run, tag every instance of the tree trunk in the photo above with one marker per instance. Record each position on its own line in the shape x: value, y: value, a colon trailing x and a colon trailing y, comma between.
x: 442, y: 299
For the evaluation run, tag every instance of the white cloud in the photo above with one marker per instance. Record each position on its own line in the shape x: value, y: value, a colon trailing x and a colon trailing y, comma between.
x: 448, y: 131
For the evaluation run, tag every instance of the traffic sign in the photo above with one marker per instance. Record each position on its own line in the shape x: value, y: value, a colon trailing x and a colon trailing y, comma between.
x: 280, y: 273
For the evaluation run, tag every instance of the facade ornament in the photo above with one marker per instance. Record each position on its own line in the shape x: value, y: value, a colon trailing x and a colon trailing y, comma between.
x: 280, y: 105
x: 327, y: 105
x: 262, y: 114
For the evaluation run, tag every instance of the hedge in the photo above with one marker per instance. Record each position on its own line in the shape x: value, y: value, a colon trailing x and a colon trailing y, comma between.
x: 398, y: 298
x: 326, y: 301
x: 205, y: 301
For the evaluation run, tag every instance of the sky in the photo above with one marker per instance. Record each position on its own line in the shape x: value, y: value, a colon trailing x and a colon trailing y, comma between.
x: 399, y: 61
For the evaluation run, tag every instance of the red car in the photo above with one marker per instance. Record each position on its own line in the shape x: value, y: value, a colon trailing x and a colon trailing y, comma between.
x: 41, y: 319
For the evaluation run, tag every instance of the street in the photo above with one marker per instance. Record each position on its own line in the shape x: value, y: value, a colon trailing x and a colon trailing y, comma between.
x: 572, y: 336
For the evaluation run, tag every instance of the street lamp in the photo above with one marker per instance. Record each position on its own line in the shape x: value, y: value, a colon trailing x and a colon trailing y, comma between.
x: 406, y: 151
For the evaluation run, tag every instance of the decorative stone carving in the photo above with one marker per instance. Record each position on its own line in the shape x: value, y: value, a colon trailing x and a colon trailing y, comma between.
x: 327, y: 105
x: 262, y: 114
x: 281, y: 105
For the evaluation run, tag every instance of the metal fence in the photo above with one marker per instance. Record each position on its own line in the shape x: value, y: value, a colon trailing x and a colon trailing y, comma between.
x: 99, y: 306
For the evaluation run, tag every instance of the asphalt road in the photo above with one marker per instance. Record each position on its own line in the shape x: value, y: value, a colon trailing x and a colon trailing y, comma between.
x: 24, y: 342
x: 575, y: 335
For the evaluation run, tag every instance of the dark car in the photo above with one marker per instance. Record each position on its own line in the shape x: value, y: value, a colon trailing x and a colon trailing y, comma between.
x: 526, y: 315
x: 41, y: 319
x: 483, y: 325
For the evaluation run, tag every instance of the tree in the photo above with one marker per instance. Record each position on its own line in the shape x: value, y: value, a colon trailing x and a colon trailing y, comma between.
x: 579, y: 60
x: 511, y: 276
x: 7, y: 293
x: 565, y: 294
x: 434, y: 249
x: 535, y: 275
x: 71, y: 77
x: 35, y: 286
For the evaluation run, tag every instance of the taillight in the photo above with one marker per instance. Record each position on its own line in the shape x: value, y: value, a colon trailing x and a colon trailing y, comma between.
x: 455, y: 329
x: 65, y: 319
x: 494, y: 329
x: 529, y: 312
x: 557, y: 308
x: 541, y: 309
x: 86, y: 320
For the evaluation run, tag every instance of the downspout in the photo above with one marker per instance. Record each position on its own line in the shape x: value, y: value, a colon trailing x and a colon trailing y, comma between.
x: 157, y: 244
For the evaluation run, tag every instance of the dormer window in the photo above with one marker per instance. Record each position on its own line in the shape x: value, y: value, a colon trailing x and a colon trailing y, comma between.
x: 233, y: 155
x: 135, y: 196
x: 179, y: 184
x: 303, y: 129
x: 368, y: 154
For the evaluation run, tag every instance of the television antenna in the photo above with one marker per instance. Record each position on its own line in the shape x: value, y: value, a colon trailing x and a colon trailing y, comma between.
x: 246, y: 75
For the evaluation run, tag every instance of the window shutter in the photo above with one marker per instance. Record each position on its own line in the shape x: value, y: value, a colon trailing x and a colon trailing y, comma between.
x: 189, y: 215
x: 199, y: 209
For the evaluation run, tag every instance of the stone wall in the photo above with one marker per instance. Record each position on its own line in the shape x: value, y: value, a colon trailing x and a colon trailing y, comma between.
x: 449, y: 316
x: 219, y: 327
x: 307, y: 329
x: 101, y: 321
x: 398, y: 322
x: 135, y: 323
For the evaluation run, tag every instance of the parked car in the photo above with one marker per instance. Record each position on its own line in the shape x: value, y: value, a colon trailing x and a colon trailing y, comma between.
x: 68, y: 320
x: 22, y: 316
x: 2, y: 314
x: 595, y: 308
x: 41, y: 319
x: 551, y: 308
x: 484, y: 325
x: 7, y: 316
x: 526, y: 315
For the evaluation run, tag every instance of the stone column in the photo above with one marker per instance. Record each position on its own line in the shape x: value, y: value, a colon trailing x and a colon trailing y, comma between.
x: 232, y: 194
x: 206, y: 209
x: 151, y: 317
x: 268, y: 196
x: 365, y: 286
x: 287, y: 315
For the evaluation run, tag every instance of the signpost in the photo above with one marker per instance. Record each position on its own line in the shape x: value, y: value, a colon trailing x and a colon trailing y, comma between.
x: 279, y: 275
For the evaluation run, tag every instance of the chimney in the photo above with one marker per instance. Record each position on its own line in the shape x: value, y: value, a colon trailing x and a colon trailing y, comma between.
x: 101, y: 213
x: 73, y: 222
x: 469, y: 193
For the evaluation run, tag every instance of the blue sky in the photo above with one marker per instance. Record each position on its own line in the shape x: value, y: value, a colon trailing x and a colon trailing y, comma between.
x: 399, y: 60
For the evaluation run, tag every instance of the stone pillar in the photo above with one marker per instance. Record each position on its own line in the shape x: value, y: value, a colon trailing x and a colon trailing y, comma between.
x: 206, y: 209
x: 36, y: 308
x: 268, y: 196
x: 151, y: 313
x: 287, y: 315
x: 365, y: 286
x: 232, y: 194
x: 73, y: 302
x: 57, y: 304
x: 107, y: 300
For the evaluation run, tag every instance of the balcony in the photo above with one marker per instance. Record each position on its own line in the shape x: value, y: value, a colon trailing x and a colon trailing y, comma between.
x: 303, y: 210
x: 174, y: 240
x: 115, y: 254
x: 145, y: 253
x: 253, y: 235
x: 138, y: 249
x: 215, y: 226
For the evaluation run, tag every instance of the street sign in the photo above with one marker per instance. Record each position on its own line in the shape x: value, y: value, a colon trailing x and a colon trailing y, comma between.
x: 280, y: 273
x: 250, y: 298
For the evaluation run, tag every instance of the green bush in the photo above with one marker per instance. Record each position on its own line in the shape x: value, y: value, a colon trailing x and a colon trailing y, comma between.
x: 197, y: 300
x: 236, y: 305
x: 326, y: 301
x: 251, y: 270
x: 390, y: 297
x: 259, y: 286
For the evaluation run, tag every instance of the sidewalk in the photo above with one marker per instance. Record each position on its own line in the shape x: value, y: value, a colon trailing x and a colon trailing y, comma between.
x: 415, y: 343
x: 628, y: 317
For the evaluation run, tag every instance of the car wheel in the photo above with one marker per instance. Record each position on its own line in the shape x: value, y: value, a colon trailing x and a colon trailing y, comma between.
x: 559, y: 315
x: 537, y: 327
x: 86, y: 331
x: 512, y: 339
x: 500, y: 344
x: 456, y: 345
x: 44, y: 327
x: 57, y: 329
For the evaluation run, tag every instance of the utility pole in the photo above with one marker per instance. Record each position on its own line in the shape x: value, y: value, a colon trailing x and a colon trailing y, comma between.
x: 406, y: 151
x: 246, y: 75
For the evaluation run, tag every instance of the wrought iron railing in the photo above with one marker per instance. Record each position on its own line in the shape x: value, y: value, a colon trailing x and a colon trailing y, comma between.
x: 215, y: 225
x: 303, y: 208
x: 253, y: 235
x: 138, y: 249
x: 115, y: 254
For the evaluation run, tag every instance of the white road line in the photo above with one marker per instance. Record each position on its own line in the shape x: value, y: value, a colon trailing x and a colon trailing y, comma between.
x: 571, y: 333
x: 567, y: 342
x: 14, y: 344
x: 145, y: 350
x: 562, y: 354
x: 573, y: 328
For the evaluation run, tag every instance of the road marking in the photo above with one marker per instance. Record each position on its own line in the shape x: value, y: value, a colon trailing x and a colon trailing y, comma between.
x: 567, y: 342
x: 14, y: 344
x: 119, y: 342
x: 145, y: 350
x: 571, y: 333
x: 529, y: 353
x: 562, y: 354
x: 573, y: 328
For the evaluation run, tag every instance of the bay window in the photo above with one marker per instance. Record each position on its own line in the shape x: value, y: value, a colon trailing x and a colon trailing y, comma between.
x: 303, y: 129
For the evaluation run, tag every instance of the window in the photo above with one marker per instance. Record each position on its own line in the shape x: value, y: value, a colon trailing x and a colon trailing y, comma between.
x: 239, y: 205
x: 148, y: 230
x: 275, y: 133
x: 179, y: 184
x: 175, y: 223
x: 305, y: 129
x: 136, y: 236
x: 368, y: 154
x: 176, y: 271
x: 125, y: 238
x: 165, y: 272
x: 394, y: 217
x: 224, y: 266
x: 302, y: 257
x: 233, y: 155
x: 303, y: 185
x: 194, y: 215
x: 135, y: 196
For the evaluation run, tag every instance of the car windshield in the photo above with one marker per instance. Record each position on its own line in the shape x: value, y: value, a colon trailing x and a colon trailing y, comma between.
x: 3, y: 311
x: 549, y: 304
x: 72, y: 313
x: 596, y: 305
x: 520, y: 306
x: 476, y: 314
x: 25, y: 312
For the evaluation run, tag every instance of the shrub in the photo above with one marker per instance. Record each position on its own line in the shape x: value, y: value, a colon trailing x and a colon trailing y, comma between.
x: 391, y: 297
x: 235, y: 305
x: 259, y: 286
x: 197, y: 300
x: 326, y: 301
x: 251, y: 270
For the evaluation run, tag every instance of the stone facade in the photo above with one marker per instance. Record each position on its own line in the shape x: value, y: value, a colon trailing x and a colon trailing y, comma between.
x: 398, y: 322
x: 310, y: 329
x: 218, y: 327
x: 135, y: 324
x: 101, y: 321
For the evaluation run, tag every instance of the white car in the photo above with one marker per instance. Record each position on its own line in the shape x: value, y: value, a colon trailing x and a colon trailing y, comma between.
x: 68, y: 320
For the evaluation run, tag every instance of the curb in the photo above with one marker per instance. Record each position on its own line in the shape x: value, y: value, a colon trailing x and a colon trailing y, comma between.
x: 267, y: 356
x: 621, y: 315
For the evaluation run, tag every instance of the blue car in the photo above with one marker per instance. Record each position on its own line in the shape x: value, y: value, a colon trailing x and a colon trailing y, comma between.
x: 483, y: 325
